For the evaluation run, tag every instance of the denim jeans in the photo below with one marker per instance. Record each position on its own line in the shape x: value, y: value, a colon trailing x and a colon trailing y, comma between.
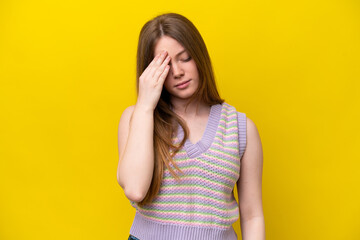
x: 131, y: 237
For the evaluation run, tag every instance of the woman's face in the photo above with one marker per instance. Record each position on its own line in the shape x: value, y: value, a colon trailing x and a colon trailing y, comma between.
x: 182, y: 79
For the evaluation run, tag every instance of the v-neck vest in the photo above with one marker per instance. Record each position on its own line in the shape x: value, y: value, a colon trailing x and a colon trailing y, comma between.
x: 201, y: 205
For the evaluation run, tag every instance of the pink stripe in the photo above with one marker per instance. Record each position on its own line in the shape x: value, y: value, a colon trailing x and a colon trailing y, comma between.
x: 200, y: 217
x: 190, y: 224
x: 224, y: 148
x: 169, y: 189
x: 201, y: 172
x: 179, y: 206
x: 180, y: 162
x: 231, y: 163
x: 227, y: 164
x: 230, y: 144
x: 189, y: 198
x: 233, y: 135
x: 229, y: 122
x: 197, y: 179
x: 214, y: 152
x: 233, y: 160
x: 228, y: 129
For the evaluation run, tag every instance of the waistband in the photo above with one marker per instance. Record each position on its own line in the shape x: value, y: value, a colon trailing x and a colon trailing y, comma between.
x: 147, y: 229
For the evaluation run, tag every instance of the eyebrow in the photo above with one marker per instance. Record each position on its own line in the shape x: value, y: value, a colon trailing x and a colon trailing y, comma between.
x: 180, y: 52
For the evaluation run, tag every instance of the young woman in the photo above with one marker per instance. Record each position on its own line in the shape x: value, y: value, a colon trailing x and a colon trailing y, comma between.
x: 182, y: 148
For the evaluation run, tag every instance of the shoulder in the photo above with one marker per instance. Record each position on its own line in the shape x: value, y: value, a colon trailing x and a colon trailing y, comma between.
x: 245, y: 120
x: 248, y: 131
x: 251, y: 128
x: 253, y: 140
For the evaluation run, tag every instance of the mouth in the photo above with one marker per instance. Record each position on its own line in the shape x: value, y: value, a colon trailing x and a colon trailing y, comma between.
x: 182, y: 83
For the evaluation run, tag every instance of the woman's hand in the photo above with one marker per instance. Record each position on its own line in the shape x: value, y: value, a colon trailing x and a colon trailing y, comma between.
x: 152, y: 80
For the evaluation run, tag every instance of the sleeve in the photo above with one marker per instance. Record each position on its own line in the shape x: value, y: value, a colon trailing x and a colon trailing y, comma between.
x: 242, y: 132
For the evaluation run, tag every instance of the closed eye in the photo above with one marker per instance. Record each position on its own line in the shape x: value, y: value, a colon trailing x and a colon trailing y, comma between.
x: 185, y: 60
x: 188, y: 59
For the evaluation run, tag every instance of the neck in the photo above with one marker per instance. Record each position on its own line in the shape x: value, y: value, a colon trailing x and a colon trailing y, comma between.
x: 194, y: 109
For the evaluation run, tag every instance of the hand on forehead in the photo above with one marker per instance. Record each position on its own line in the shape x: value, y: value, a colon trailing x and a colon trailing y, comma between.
x: 173, y: 48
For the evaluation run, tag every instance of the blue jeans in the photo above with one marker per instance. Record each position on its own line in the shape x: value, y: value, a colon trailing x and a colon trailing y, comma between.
x: 131, y: 237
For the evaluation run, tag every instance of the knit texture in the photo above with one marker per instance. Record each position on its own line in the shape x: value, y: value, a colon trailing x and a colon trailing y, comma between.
x: 202, y: 205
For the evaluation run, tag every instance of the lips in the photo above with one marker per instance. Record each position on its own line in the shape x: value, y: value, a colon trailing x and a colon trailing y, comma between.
x: 182, y: 83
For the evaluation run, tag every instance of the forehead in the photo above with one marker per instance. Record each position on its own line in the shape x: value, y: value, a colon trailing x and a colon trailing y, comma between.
x: 169, y: 44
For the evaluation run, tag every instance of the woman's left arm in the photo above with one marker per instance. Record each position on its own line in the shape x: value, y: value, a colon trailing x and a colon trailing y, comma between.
x: 249, y: 186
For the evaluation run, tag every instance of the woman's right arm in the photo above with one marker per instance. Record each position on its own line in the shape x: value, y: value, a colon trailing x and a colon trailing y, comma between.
x: 136, y: 151
x: 136, y: 132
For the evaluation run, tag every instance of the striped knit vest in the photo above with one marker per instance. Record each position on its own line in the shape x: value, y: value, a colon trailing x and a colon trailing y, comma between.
x: 202, y: 205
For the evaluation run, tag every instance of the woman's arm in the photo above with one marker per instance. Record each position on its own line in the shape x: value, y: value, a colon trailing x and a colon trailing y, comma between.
x: 249, y: 186
x: 136, y: 151
x: 136, y: 132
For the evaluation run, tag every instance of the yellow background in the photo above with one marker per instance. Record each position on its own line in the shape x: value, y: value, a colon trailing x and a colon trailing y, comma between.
x: 67, y: 71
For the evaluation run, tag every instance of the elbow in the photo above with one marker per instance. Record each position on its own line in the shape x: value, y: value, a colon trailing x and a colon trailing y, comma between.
x: 119, y: 180
x: 134, y: 196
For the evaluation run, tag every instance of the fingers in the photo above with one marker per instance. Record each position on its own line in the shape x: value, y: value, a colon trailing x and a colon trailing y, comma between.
x: 148, y: 68
x: 157, y: 63
x: 160, y: 70
x: 163, y: 75
x: 157, y: 69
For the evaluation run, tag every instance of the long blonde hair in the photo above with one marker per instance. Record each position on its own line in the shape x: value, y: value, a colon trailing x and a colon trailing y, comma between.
x: 166, y: 121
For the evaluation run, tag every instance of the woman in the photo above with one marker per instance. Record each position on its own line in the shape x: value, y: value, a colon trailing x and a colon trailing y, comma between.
x: 182, y: 148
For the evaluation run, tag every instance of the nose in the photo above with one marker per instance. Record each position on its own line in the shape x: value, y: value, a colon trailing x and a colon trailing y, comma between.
x: 176, y: 70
